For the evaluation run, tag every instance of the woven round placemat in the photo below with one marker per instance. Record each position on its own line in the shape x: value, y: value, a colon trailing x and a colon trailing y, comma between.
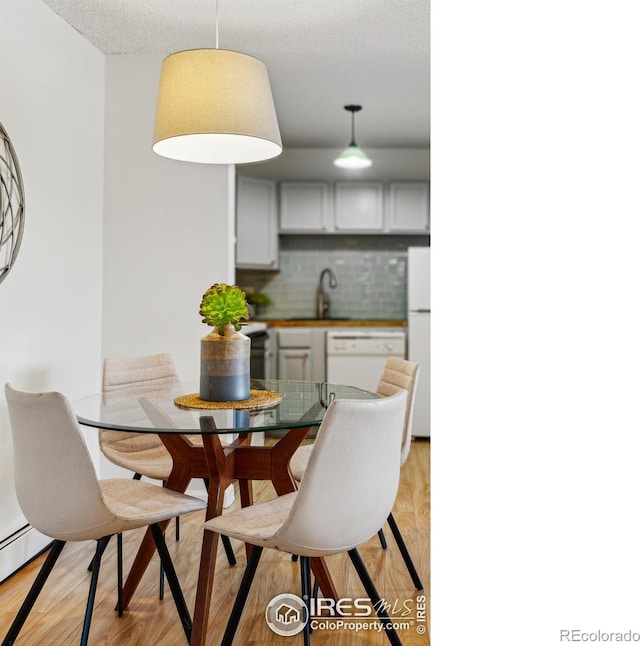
x: 257, y: 399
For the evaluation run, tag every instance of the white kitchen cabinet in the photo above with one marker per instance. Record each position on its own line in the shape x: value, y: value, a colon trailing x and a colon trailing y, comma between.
x: 256, y: 224
x: 407, y: 207
x: 359, y: 207
x: 294, y: 363
x: 301, y: 352
x: 305, y: 207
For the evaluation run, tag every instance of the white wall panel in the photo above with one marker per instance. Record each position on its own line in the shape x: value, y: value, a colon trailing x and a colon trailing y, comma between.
x: 52, y: 106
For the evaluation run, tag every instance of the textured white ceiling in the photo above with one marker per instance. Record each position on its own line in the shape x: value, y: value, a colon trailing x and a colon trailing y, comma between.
x: 321, y: 55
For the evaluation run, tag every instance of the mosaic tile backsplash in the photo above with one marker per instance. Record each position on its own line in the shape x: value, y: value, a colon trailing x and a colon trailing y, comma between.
x: 371, y: 272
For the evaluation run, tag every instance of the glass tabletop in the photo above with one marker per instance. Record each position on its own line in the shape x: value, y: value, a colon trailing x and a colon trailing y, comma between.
x: 151, y: 409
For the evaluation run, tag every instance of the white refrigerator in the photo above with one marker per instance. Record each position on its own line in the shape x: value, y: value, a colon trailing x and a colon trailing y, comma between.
x: 419, y: 338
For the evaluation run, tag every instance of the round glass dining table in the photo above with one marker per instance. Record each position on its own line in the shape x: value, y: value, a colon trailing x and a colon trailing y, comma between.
x: 193, y: 438
x: 151, y: 409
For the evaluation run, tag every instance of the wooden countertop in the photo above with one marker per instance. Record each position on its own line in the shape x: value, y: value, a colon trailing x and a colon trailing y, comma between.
x: 333, y: 323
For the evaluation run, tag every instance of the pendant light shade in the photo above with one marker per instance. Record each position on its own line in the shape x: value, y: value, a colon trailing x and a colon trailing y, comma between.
x: 215, y: 107
x: 352, y: 156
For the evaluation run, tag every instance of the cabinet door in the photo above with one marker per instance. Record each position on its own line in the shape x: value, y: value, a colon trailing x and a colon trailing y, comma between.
x: 256, y: 224
x: 359, y: 207
x: 304, y: 207
x: 408, y: 207
x: 294, y: 364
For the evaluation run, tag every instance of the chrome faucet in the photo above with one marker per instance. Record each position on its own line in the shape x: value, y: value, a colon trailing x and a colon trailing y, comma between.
x: 322, y: 298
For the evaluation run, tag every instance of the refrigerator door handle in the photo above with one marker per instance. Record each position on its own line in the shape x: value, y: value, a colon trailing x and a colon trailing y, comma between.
x: 420, y: 311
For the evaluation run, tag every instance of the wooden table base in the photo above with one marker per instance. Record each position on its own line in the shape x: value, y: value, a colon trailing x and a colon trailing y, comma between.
x: 222, y: 465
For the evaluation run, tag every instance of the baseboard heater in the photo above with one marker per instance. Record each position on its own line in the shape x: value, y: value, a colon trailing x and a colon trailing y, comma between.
x: 19, y: 549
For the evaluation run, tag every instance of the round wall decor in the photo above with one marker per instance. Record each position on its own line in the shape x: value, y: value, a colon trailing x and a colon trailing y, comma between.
x: 11, y: 205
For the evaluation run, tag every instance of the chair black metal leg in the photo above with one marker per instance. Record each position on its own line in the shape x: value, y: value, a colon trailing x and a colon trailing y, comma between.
x: 36, y: 588
x: 102, y: 544
x: 177, y: 528
x: 119, y: 542
x: 90, y: 568
x: 415, y: 577
x: 316, y: 589
x: 294, y: 557
x: 228, y: 550
x: 161, y: 583
x: 305, y: 576
x: 385, y: 620
x: 383, y: 540
x: 241, y: 599
x: 137, y: 476
x: 226, y: 541
x: 172, y: 579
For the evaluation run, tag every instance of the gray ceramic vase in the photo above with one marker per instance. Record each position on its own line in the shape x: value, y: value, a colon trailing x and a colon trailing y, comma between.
x: 224, y: 366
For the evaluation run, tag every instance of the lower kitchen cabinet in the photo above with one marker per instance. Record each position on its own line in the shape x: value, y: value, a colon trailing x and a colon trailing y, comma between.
x: 294, y: 363
x: 301, y: 353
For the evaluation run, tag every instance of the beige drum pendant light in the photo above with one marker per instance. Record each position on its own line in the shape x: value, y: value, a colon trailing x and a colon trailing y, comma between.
x: 215, y: 107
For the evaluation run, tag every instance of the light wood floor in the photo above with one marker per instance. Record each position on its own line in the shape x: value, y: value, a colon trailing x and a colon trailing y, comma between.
x: 58, y: 614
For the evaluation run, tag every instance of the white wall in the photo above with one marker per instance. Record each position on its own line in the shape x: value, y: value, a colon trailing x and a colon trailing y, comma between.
x: 97, y: 197
x: 52, y: 106
x: 168, y: 227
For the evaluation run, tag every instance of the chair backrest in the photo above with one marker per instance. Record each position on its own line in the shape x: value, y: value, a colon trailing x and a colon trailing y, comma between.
x: 131, y: 372
x: 55, y: 479
x: 351, y: 480
x: 397, y: 374
x: 154, y: 369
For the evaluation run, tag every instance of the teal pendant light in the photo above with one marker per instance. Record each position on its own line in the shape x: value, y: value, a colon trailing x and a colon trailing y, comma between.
x: 352, y: 156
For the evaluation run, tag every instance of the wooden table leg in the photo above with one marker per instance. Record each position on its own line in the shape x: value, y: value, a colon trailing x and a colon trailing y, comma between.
x: 220, y: 463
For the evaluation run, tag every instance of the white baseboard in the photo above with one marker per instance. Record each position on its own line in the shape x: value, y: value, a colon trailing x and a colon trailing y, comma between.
x: 20, y: 548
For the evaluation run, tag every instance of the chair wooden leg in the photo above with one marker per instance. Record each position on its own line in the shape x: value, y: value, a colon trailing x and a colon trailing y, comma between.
x: 172, y: 579
x: 385, y: 620
x: 241, y: 599
x: 31, y: 598
x: 305, y: 576
x: 415, y: 577
x: 383, y: 540
x: 102, y: 544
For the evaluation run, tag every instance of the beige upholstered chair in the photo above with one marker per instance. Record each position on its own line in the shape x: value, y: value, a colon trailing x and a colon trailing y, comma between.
x: 397, y: 374
x: 143, y: 453
x: 348, y: 490
x: 61, y: 497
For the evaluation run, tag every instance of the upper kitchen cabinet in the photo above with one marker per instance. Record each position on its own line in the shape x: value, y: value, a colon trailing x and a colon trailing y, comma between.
x: 359, y: 207
x: 354, y: 207
x: 407, y: 208
x: 305, y: 207
x: 256, y: 224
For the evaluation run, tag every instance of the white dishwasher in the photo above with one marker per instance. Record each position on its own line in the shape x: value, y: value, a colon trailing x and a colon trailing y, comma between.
x: 356, y: 358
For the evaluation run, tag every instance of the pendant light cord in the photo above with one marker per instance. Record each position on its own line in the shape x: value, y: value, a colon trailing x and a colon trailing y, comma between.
x: 216, y: 24
x: 353, y: 129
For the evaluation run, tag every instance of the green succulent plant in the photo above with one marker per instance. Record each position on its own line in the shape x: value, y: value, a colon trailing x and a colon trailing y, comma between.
x: 223, y: 304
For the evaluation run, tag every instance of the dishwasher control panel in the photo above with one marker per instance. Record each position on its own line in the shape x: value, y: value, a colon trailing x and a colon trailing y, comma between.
x: 366, y: 343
